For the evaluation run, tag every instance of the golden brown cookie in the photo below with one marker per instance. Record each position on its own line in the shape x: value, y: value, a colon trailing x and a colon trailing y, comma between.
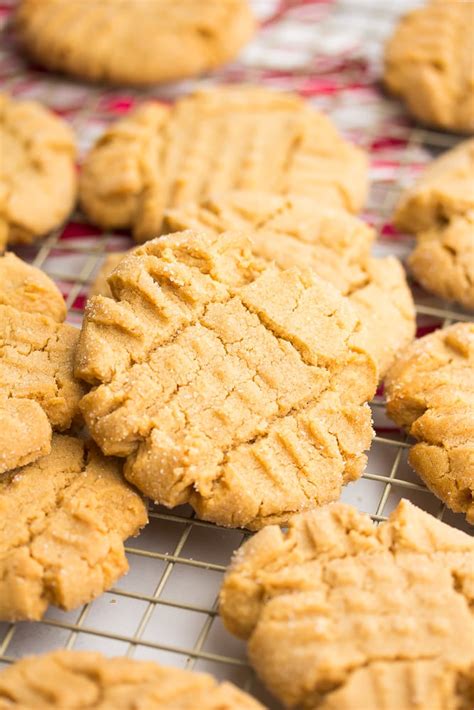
x: 439, y: 209
x: 29, y: 289
x: 430, y: 392
x: 36, y: 366
x: 226, y: 383
x: 428, y: 62
x: 342, y: 614
x: 215, y: 141
x: 63, y: 522
x: 37, y: 172
x: 134, y: 42
x: 294, y: 231
x: 89, y: 681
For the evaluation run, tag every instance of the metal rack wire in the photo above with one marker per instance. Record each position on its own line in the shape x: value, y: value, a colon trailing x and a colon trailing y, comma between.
x: 165, y: 608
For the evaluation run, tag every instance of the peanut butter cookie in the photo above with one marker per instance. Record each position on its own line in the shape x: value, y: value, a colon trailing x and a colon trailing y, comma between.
x: 64, y: 519
x: 439, y: 209
x: 340, y: 613
x: 214, y: 141
x: 89, y: 681
x: 428, y: 62
x: 134, y: 42
x: 294, y: 231
x: 430, y: 393
x: 38, y: 390
x: 37, y: 173
x: 227, y: 383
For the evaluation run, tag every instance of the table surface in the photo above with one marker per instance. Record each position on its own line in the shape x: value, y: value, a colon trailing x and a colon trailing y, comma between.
x: 330, y: 52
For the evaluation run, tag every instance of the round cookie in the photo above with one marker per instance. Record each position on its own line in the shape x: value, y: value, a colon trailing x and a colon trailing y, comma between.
x: 37, y: 171
x: 226, y: 383
x: 214, y: 141
x: 430, y: 393
x: 340, y: 613
x: 64, y: 519
x: 294, y: 231
x: 439, y: 208
x: 428, y: 62
x: 89, y: 681
x: 134, y: 42
x: 29, y: 289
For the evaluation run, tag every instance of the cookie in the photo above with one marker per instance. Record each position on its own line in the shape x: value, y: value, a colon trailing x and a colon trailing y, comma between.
x: 439, y: 209
x: 226, y: 383
x: 430, y: 393
x: 340, y: 613
x: 294, y: 231
x: 38, y: 390
x: 134, y: 42
x: 29, y: 289
x: 89, y: 681
x: 214, y: 141
x: 64, y: 519
x: 428, y: 62
x: 99, y: 286
x: 37, y: 173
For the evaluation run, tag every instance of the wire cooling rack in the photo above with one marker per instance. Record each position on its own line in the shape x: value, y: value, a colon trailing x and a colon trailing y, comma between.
x: 165, y: 608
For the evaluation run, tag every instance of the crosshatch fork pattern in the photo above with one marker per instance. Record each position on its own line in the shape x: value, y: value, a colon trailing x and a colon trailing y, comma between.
x: 166, y: 607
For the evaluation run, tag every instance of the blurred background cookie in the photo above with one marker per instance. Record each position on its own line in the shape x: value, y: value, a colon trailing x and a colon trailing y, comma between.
x: 130, y: 42
x: 428, y: 62
x: 213, y: 141
x: 37, y: 171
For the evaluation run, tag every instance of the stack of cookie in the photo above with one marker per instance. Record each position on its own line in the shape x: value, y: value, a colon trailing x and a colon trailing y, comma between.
x: 228, y: 362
